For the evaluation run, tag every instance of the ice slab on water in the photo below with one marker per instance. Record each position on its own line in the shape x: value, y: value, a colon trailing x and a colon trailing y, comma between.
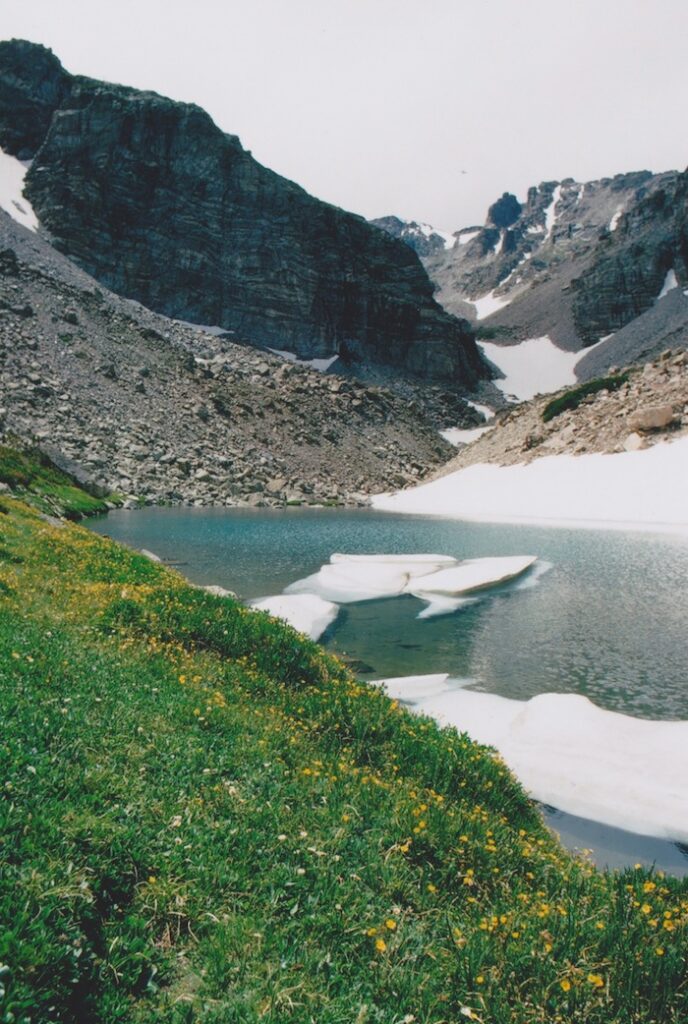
x: 439, y: 604
x: 412, y: 560
x: 471, y: 575
x: 570, y: 753
x: 307, y: 613
x: 349, y: 578
x: 435, y: 578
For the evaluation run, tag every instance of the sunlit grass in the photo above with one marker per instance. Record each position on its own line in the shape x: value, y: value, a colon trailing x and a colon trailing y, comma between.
x: 207, y: 818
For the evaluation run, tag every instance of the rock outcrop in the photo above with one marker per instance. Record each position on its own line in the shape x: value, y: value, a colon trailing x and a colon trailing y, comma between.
x: 156, y: 202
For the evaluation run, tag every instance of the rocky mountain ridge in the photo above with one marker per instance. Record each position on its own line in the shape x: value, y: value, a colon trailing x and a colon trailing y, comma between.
x: 135, y: 403
x: 576, y: 262
x: 127, y: 182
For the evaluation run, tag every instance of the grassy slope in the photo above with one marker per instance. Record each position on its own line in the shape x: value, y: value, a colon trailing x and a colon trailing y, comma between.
x: 32, y: 476
x: 206, y: 818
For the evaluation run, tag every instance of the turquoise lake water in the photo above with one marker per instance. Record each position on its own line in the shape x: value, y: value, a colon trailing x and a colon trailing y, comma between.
x: 607, y: 619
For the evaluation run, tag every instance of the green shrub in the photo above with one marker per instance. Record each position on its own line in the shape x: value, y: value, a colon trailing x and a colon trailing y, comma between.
x: 572, y: 399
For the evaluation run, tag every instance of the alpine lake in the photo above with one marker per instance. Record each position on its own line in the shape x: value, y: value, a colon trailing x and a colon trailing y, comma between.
x: 604, y: 614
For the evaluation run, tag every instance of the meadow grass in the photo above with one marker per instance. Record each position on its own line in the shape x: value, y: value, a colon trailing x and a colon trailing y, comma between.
x: 205, y: 817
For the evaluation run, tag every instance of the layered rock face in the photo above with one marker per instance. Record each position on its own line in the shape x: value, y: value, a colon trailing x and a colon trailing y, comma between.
x: 630, y: 265
x: 153, y: 200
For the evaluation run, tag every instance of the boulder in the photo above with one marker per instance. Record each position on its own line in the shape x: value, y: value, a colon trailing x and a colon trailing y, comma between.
x: 653, y: 417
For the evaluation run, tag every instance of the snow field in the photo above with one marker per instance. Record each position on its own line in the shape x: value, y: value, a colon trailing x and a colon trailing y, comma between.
x: 646, y: 490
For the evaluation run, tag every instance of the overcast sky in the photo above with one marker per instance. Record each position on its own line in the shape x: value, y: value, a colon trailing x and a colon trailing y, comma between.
x: 429, y: 109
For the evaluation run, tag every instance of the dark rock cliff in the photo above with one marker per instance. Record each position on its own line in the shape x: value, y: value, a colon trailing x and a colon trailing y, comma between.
x: 151, y: 198
x: 630, y: 265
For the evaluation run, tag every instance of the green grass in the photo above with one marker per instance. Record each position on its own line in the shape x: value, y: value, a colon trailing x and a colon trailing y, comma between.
x: 572, y: 399
x: 33, y: 477
x: 207, y: 818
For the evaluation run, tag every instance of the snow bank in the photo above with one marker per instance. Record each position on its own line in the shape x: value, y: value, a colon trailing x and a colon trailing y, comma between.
x: 307, y: 613
x: 567, y: 752
x: 487, y: 412
x: 633, y: 490
x: 670, y: 283
x: 467, y: 236
x: 12, y: 174
x: 321, y: 365
x: 533, y: 367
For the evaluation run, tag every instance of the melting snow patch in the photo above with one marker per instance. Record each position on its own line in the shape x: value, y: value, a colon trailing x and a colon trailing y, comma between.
x: 532, y: 367
x: 488, y: 305
x: 567, y: 752
x: 307, y: 613
x: 460, y: 435
x: 670, y: 283
x: 643, y: 490
x: 616, y: 218
x: 487, y: 412
x: 467, y: 236
x: 550, y: 213
x: 322, y: 365
x: 12, y: 174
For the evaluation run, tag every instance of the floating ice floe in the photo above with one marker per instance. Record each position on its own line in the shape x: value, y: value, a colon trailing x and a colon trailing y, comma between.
x: 645, y: 490
x: 568, y: 752
x: 439, y: 580
x: 470, y: 575
x: 307, y: 613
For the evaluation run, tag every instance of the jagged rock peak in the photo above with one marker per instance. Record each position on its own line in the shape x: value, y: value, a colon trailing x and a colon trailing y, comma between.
x: 128, y: 182
x: 505, y: 211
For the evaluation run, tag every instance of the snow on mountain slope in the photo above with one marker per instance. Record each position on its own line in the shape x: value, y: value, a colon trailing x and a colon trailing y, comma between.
x: 12, y: 174
x: 534, y: 367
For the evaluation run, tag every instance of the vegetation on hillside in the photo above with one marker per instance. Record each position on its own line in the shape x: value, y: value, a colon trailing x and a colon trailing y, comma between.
x: 572, y: 399
x: 207, y: 818
x: 33, y: 477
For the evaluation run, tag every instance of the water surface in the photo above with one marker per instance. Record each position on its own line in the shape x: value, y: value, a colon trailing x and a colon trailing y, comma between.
x: 607, y: 620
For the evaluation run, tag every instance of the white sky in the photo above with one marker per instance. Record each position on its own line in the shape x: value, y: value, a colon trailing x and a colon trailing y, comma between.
x: 380, y: 105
